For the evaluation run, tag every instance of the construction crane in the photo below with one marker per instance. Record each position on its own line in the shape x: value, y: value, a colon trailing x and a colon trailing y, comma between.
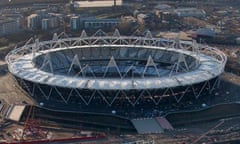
x: 31, y: 126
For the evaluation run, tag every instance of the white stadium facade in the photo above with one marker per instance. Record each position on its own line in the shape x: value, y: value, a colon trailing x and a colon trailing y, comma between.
x: 114, y: 74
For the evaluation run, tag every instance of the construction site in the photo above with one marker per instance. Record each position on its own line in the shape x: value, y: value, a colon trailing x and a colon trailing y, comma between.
x: 217, y: 120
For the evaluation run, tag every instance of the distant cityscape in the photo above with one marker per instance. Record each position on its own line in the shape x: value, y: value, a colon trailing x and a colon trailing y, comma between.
x: 195, y: 18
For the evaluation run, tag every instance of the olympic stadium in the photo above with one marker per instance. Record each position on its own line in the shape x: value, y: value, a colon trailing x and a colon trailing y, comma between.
x: 114, y: 74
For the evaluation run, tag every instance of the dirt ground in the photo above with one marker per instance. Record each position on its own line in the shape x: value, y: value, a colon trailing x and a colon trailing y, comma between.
x: 8, y: 88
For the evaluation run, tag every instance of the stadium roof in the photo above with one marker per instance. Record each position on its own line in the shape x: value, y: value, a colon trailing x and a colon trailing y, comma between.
x: 209, y: 68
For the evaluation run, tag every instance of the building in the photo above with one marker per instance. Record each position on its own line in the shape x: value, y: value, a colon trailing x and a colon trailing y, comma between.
x: 162, y: 7
x: 49, y: 23
x: 9, y: 26
x: 34, y: 21
x: 96, y: 4
x: 94, y: 23
x: 43, y: 21
x: 75, y: 23
x: 190, y: 12
x: 45, y: 24
x: 143, y: 18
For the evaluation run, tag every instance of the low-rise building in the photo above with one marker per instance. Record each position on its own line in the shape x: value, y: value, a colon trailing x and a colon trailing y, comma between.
x: 143, y: 18
x: 43, y: 21
x: 34, y: 21
x: 190, y: 12
x: 9, y: 26
x: 162, y: 7
x: 95, y: 4
x: 100, y: 23
x: 78, y: 22
x: 49, y: 23
x: 75, y: 23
